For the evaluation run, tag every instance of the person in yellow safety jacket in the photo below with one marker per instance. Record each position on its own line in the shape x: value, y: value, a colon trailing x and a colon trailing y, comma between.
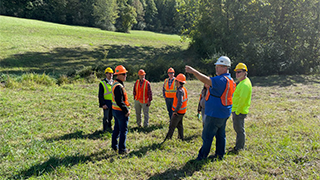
x: 204, y: 96
x: 179, y: 108
x: 120, y: 110
x: 142, y: 98
x: 169, y: 90
x: 105, y: 98
x: 241, y: 104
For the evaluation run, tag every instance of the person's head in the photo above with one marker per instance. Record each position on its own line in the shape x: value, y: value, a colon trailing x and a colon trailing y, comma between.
x: 181, y: 80
x: 121, y: 73
x: 142, y: 74
x: 241, y: 71
x: 109, y: 73
x: 222, y: 65
x: 171, y: 73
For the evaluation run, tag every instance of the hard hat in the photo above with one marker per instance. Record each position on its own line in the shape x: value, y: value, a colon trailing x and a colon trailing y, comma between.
x: 141, y: 72
x: 181, y: 78
x: 171, y: 70
x: 108, y: 70
x: 241, y: 66
x: 223, y: 60
x: 120, y: 70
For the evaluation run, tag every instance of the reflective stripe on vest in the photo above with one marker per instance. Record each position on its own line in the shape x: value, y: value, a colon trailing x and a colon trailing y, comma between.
x: 114, y: 104
x: 170, y: 92
x: 141, y: 92
x: 226, y: 97
x: 183, y: 108
x: 107, y: 92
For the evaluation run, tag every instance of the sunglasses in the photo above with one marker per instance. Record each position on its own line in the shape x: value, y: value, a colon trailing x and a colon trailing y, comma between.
x: 239, y: 72
x: 170, y: 73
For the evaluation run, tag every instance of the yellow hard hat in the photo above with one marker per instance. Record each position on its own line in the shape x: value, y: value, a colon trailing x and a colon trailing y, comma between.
x: 108, y: 70
x: 241, y: 66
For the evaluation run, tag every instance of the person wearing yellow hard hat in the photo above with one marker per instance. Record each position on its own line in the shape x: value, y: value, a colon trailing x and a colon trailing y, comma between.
x: 179, y: 108
x: 241, y: 103
x: 142, y: 98
x: 218, y: 107
x: 105, y: 97
x: 168, y: 91
x: 120, y: 110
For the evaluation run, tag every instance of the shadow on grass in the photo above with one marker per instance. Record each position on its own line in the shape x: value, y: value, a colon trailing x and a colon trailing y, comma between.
x: 146, y: 129
x: 55, y: 162
x: 284, y: 80
x: 79, y: 135
x: 59, y: 60
x: 179, y: 173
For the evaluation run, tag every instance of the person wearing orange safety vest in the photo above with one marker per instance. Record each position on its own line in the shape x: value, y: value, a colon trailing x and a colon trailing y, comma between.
x: 169, y: 89
x: 218, y: 107
x: 142, y: 98
x: 241, y: 103
x: 120, y: 110
x: 105, y: 98
x: 179, y: 108
x: 204, y: 96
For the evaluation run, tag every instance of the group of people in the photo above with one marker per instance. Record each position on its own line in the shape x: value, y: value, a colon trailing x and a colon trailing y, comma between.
x: 218, y: 99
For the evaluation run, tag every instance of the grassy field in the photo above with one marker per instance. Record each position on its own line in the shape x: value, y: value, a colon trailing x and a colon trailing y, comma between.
x: 54, y: 132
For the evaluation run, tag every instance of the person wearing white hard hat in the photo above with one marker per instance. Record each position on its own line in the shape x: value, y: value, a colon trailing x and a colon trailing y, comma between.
x: 218, y: 107
x: 240, y: 108
x: 105, y: 98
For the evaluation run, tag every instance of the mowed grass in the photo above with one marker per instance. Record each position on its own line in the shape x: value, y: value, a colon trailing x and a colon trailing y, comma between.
x: 55, y: 49
x: 53, y: 132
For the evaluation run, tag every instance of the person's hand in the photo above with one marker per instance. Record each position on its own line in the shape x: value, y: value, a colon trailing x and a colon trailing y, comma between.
x: 105, y: 107
x: 175, y: 113
x: 128, y: 114
x: 149, y: 103
x: 189, y: 69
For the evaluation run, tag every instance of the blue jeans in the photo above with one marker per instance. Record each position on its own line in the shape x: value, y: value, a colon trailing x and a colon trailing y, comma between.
x: 213, y: 127
x: 169, y: 102
x: 120, y: 129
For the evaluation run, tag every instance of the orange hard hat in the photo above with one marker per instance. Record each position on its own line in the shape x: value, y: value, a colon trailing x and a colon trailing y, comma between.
x: 120, y: 70
x: 141, y: 72
x: 181, y: 78
x: 171, y: 70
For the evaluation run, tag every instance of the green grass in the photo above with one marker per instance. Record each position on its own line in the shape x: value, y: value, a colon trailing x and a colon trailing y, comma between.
x: 53, y: 132
x: 42, y: 47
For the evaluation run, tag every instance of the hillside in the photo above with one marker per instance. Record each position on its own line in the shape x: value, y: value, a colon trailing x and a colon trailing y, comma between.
x: 36, y: 46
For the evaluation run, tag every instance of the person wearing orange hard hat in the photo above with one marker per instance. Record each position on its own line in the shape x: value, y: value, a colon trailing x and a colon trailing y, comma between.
x: 168, y: 91
x: 241, y: 103
x: 142, y: 98
x: 179, y: 107
x: 105, y: 98
x: 120, y: 110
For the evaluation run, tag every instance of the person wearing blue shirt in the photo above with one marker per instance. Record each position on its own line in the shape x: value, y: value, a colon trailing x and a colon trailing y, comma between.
x: 218, y: 107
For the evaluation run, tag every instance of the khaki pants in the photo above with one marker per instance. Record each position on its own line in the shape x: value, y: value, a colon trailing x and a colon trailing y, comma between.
x: 138, y: 106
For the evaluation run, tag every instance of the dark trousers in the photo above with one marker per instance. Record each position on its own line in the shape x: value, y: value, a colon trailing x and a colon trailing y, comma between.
x: 176, y: 122
x: 107, y: 116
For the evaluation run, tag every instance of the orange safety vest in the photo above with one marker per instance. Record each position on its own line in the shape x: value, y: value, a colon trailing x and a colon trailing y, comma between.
x: 207, y: 95
x: 114, y: 104
x: 170, y: 92
x: 183, y: 108
x: 141, y: 92
x: 226, y: 97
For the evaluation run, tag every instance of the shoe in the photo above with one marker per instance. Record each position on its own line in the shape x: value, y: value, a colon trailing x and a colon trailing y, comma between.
x: 126, y: 151
x: 233, y: 151
x: 215, y: 157
x: 114, y: 149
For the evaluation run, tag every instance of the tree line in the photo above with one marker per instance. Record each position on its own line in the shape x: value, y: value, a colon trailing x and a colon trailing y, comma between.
x: 270, y: 36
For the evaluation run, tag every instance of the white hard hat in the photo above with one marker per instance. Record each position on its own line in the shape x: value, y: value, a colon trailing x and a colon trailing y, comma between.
x: 223, y: 60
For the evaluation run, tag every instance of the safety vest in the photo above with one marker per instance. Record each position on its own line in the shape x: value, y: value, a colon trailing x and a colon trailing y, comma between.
x: 183, y: 108
x: 226, y: 97
x: 141, y: 92
x: 114, y: 104
x: 107, y: 93
x: 170, y: 92
x: 207, y: 95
